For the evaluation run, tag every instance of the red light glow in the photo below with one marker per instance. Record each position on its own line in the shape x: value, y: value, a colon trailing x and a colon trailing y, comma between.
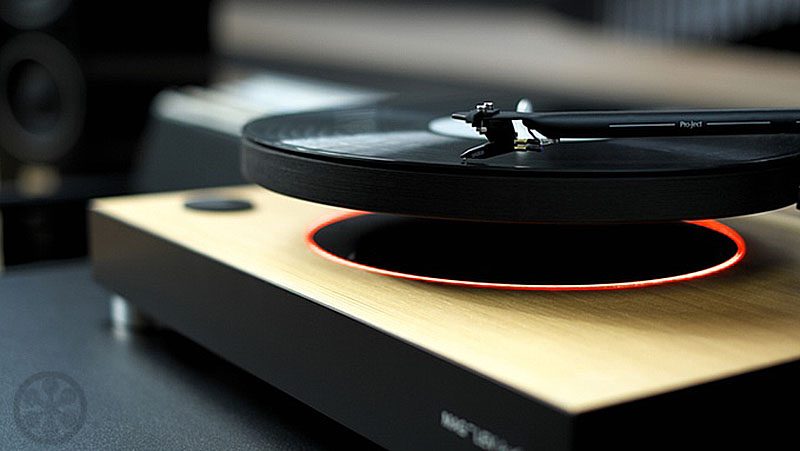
x: 709, y: 224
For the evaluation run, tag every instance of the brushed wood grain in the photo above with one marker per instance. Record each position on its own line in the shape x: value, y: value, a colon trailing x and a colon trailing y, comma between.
x: 576, y: 350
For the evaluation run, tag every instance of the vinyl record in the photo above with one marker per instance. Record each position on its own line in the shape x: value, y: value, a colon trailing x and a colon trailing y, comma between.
x: 402, y: 160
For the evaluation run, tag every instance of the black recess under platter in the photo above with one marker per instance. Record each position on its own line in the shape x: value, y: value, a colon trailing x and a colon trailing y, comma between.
x: 389, y: 159
x: 537, y: 256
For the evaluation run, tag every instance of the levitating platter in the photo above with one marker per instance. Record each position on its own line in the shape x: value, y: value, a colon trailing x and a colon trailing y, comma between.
x: 406, y: 160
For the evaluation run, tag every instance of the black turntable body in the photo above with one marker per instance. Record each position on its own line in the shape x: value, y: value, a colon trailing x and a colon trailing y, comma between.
x: 580, y: 296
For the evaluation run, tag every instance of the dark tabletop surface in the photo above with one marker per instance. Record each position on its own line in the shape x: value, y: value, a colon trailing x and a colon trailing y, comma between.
x: 143, y: 390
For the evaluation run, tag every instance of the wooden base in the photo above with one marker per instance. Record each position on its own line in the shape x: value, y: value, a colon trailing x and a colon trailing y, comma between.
x: 414, y: 365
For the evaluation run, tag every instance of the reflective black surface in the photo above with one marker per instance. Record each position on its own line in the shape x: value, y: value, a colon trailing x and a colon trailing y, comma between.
x: 152, y: 390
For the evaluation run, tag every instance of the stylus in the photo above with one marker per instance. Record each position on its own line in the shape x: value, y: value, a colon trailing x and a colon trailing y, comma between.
x: 549, y: 127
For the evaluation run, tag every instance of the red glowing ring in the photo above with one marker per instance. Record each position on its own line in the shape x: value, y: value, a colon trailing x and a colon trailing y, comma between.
x: 707, y: 223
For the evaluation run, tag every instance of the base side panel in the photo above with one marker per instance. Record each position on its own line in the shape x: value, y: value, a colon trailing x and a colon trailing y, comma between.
x: 388, y: 390
x: 755, y: 410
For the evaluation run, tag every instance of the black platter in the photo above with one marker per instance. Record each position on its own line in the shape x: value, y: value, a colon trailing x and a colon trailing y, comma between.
x: 390, y: 159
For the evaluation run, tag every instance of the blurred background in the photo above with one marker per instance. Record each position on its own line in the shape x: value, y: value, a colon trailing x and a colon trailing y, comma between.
x: 107, y: 98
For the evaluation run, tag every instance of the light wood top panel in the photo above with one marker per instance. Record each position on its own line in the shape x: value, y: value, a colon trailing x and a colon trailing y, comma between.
x: 576, y: 350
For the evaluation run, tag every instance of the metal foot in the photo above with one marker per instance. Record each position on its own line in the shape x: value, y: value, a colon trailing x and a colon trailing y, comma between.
x: 127, y: 317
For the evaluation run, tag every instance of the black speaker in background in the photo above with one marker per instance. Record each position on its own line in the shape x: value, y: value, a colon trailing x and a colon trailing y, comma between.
x: 76, y: 81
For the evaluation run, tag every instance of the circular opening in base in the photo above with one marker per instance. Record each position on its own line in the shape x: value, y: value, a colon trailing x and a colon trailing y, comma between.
x: 528, y: 256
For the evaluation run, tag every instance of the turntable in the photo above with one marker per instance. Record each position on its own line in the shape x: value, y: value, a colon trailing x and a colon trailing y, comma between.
x: 432, y: 288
